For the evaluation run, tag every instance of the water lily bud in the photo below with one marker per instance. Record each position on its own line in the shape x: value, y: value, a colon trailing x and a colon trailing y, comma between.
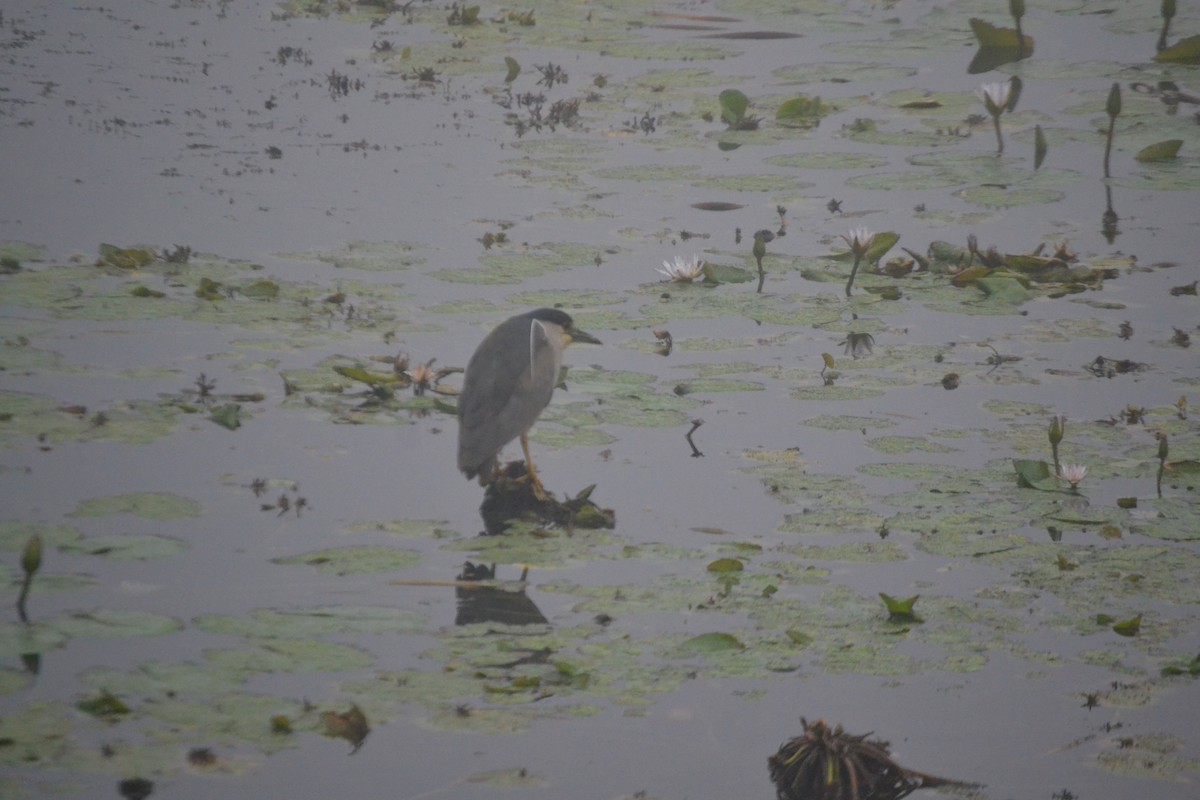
x: 1168, y: 9
x: 1113, y: 106
x: 31, y: 558
x: 1058, y: 426
x: 1017, y: 8
x: 1162, y: 447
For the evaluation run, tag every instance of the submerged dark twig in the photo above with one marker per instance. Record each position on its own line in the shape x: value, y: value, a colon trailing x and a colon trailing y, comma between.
x: 696, y: 423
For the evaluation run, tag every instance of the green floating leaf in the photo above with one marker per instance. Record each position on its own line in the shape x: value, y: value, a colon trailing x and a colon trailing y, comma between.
x: 882, y: 242
x: 997, y: 46
x: 1186, y: 467
x: 360, y: 560
x: 210, y: 289
x: 709, y: 643
x: 1160, y: 151
x: 103, y: 706
x: 802, y: 112
x: 1031, y: 473
x: 990, y: 36
x: 228, y: 416
x: 126, y: 547
x: 126, y: 257
x: 799, y: 638
x: 514, y: 69
x: 733, y: 106
x: 1185, y: 51
x: 724, y: 273
x: 990, y: 58
x: 1002, y: 290
x: 147, y: 505
x: 726, y: 565
x: 264, y: 290
x: 900, y: 610
x: 1128, y: 627
x: 372, y: 379
x: 102, y: 624
x: 1191, y: 668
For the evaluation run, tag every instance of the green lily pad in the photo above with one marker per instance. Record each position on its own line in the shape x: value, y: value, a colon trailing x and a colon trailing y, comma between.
x: 357, y: 560
x: 159, y: 506
x: 1185, y: 51
x: 126, y: 547
x: 302, y: 623
x: 708, y: 643
x: 1034, y: 474
x: 1160, y: 151
x: 104, y: 624
x: 290, y: 655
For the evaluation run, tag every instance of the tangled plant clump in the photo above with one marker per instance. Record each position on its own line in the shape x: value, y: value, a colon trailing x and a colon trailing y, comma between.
x: 827, y: 763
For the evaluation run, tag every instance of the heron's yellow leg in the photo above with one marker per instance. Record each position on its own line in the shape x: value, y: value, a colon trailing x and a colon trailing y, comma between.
x: 535, y: 482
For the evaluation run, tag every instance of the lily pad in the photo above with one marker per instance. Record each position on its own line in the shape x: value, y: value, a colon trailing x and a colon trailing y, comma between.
x: 159, y: 506
x: 358, y: 560
x: 126, y: 547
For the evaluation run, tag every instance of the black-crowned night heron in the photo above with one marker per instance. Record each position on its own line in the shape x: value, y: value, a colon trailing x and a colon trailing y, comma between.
x: 509, y: 381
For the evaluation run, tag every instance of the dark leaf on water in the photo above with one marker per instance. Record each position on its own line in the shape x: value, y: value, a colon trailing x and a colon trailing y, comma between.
x: 1039, y: 147
x: 989, y: 35
x: 1160, y: 151
x: 349, y: 725
x: 1185, y: 51
x: 752, y: 35
x: 989, y: 58
x: 103, y: 706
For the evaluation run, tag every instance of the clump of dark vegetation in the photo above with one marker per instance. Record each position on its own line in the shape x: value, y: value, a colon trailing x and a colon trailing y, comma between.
x: 1104, y: 367
x: 510, y: 497
x: 180, y: 254
x: 564, y: 113
x: 463, y: 15
x: 340, y: 85
x: 827, y: 763
x: 298, y: 54
x: 551, y: 74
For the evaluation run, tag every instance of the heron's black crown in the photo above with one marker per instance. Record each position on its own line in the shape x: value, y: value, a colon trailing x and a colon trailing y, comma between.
x: 560, y: 318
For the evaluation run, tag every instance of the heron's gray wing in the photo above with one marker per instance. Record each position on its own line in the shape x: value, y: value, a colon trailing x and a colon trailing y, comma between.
x: 508, y: 382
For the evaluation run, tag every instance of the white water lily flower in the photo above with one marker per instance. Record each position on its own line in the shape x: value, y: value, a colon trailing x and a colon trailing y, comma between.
x: 859, y: 240
x: 683, y: 270
x: 1073, y: 473
x: 995, y: 96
